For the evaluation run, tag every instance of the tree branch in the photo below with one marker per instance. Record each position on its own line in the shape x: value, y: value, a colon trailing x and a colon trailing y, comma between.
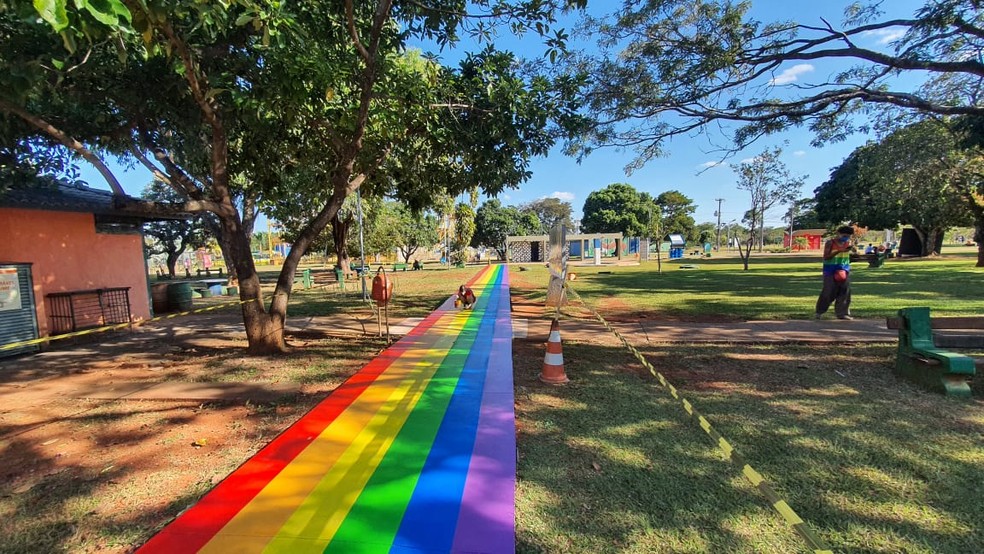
x: 66, y: 140
x: 353, y: 32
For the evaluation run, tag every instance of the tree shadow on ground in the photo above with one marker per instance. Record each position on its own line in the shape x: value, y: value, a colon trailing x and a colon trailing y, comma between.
x: 871, y: 463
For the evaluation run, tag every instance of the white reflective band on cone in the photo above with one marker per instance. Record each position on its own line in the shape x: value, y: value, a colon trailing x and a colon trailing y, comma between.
x: 553, y: 359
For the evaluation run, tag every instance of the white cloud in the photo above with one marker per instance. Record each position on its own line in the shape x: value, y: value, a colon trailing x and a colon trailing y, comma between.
x: 791, y: 74
x: 885, y: 36
x: 567, y: 196
x: 708, y: 165
x: 748, y: 160
x: 799, y: 153
x: 506, y: 197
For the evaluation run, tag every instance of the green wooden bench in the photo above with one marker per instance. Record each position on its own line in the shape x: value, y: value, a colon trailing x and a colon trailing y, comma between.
x: 874, y: 260
x: 303, y: 276
x: 399, y: 267
x: 922, y: 360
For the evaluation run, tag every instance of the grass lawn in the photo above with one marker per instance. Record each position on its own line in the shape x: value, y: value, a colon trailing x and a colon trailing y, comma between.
x: 611, y: 463
x: 415, y: 294
x: 774, y: 287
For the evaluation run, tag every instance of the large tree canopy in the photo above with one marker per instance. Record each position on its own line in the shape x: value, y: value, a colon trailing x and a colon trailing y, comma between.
x: 494, y: 222
x: 917, y: 176
x: 674, y: 67
x: 676, y: 211
x: 618, y: 208
x: 256, y: 101
x: 551, y: 212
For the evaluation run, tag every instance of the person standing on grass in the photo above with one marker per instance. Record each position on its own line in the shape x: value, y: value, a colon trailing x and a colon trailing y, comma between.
x: 837, y: 275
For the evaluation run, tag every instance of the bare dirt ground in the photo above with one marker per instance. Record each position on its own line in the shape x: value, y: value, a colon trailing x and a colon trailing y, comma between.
x: 89, y: 464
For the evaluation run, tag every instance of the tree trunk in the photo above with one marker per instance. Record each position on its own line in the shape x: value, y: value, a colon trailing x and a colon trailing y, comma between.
x: 746, y: 253
x: 339, y: 235
x: 761, y: 237
x: 408, y: 251
x: 285, y: 282
x: 172, y: 262
x: 927, y: 238
x: 979, y: 238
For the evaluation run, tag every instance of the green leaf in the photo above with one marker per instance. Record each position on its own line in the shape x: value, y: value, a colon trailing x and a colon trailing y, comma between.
x: 107, y: 12
x: 68, y: 39
x: 243, y: 19
x: 53, y: 11
x: 59, y: 64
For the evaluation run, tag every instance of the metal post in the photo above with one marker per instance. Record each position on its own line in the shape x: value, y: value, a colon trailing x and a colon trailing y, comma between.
x: 362, y: 247
x: 718, y: 214
x: 659, y: 243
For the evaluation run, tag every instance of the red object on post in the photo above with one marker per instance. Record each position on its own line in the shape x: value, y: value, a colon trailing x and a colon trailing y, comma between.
x: 382, y: 288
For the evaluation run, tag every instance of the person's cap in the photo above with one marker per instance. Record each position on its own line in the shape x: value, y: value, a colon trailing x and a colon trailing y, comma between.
x: 845, y: 230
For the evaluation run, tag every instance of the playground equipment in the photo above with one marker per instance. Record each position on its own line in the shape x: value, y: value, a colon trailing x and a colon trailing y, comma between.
x: 677, y: 244
x: 382, y: 292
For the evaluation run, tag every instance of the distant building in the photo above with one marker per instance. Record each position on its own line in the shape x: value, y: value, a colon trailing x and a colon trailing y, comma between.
x: 814, y: 239
x: 533, y: 248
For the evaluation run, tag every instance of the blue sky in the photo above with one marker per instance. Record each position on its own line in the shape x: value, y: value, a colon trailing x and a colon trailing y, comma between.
x: 562, y: 177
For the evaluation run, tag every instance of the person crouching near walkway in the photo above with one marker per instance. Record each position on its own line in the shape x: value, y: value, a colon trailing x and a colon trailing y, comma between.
x: 837, y: 275
x: 465, y: 298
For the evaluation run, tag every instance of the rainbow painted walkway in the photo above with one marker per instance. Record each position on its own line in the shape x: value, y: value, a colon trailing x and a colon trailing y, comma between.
x: 415, y: 453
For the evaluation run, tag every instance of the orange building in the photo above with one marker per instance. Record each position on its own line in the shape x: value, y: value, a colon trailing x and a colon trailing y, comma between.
x: 85, y: 256
x: 814, y: 239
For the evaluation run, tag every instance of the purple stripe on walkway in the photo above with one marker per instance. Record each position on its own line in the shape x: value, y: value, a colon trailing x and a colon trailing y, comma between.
x: 487, y: 521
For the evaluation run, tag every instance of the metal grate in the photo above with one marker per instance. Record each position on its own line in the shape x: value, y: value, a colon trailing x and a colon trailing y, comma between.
x: 84, y: 309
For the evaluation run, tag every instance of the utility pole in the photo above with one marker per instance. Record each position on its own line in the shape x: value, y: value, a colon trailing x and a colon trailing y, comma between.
x: 718, y: 214
x: 792, y: 215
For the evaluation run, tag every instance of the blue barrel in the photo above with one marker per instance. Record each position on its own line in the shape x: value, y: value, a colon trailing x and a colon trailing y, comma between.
x: 215, y: 289
x: 179, y: 296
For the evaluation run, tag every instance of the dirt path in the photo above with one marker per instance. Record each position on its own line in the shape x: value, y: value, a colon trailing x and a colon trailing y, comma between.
x: 101, y: 444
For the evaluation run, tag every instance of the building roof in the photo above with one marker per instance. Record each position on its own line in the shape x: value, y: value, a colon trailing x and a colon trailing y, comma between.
x: 65, y: 197
x: 800, y: 232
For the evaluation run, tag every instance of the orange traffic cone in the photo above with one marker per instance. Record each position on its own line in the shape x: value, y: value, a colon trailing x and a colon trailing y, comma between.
x: 553, y: 360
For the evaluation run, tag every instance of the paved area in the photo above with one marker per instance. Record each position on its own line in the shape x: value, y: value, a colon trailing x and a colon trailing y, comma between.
x: 656, y: 331
x: 414, y: 453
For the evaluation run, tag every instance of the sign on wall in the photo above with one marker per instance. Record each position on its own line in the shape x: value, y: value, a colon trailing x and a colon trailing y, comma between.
x: 9, y: 290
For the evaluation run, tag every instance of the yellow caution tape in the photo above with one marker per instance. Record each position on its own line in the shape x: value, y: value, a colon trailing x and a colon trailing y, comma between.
x: 787, y: 512
x: 116, y: 326
x: 107, y: 328
x: 754, y: 477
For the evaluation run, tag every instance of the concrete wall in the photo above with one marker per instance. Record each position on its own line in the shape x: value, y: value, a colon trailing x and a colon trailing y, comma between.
x: 67, y: 255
